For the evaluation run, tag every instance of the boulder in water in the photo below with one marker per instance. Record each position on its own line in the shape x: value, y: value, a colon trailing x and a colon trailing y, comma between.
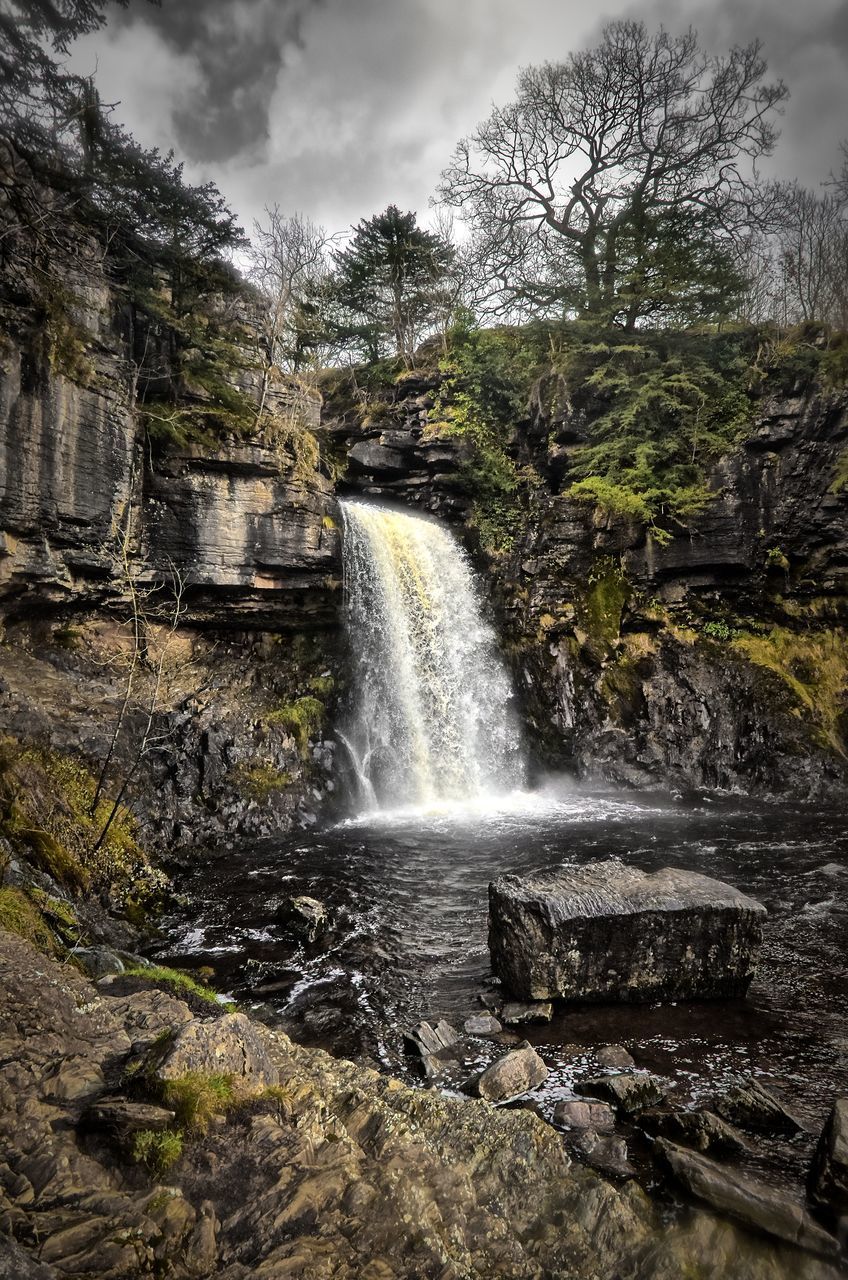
x: 514, y: 1012
x: 746, y: 1199
x: 482, y: 1024
x: 752, y: 1106
x: 305, y: 916
x: 511, y: 1075
x: 628, y: 1092
x: 609, y: 932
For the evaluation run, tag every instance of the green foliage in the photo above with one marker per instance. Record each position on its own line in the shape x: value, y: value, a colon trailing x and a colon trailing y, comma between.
x: 157, y: 1150
x: 483, y: 395
x: 260, y: 781
x: 717, y: 629
x: 196, y: 1098
x: 386, y: 289
x: 303, y: 718
x: 777, y: 559
x: 182, y: 983
x: 840, y: 478
x: 658, y: 410
x: 19, y: 915
x: 812, y: 666
x: 601, y: 607
x: 53, y: 858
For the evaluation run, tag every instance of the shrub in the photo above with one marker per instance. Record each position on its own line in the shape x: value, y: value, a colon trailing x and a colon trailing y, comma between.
x: 158, y: 1151
x: 196, y: 1098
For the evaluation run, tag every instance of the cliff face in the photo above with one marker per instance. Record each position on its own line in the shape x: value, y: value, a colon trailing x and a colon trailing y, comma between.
x: 99, y: 522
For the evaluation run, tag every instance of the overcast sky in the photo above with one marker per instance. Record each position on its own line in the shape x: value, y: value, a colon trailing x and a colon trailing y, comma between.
x: 338, y: 107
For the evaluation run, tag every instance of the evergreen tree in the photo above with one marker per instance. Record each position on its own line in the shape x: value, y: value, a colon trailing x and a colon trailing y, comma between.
x: 388, y: 285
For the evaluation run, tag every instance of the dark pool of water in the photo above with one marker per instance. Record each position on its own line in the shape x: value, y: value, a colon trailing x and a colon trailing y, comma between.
x: 409, y: 898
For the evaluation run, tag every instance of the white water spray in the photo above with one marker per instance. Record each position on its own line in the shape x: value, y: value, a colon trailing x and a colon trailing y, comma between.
x: 432, y: 721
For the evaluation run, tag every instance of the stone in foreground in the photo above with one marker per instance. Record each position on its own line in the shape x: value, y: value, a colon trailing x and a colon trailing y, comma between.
x: 514, y: 1074
x: 608, y: 932
x: 828, y: 1186
x: 751, y: 1106
x: 746, y: 1199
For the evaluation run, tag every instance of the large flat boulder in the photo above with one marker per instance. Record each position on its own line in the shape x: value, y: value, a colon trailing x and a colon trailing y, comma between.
x: 609, y: 932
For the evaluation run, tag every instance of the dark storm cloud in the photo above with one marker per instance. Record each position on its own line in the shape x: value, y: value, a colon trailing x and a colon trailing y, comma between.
x: 237, y: 49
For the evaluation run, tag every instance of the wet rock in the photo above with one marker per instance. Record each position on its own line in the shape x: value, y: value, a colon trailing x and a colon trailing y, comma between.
x: 615, y: 1057
x: 482, y: 1024
x: 508, y: 1038
x: 305, y: 916
x: 121, y: 1116
x: 610, y: 932
x: 231, y: 1045
x: 751, y: 1106
x: 828, y: 1182
x: 514, y: 1014
x: 578, y: 1114
x: 699, y: 1129
x: 17, y: 1264
x: 628, y: 1093
x: 750, y: 1201
x: 605, y: 1152
x: 438, y: 1046
x: 99, y: 962
x: 429, y: 1037
x: 515, y: 1073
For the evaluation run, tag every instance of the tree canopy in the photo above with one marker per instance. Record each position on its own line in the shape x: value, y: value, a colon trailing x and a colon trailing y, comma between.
x: 388, y: 284
x: 618, y: 175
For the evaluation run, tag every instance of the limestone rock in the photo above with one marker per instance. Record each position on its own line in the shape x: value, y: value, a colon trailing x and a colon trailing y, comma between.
x: 121, y: 1116
x: 605, y: 1152
x: 610, y: 932
x: 231, y: 1045
x: 482, y: 1024
x: 628, y: 1092
x: 578, y: 1114
x: 750, y: 1201
x: 517, y: 1072
x: 431, y: 1038
x: 699, y: 1129
x: 751, y: 1106
x: 514, y: 1013
x: 828, y: 1183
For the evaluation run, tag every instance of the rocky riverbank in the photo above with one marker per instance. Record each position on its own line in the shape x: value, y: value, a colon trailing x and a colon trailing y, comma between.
x: 147, y: 1134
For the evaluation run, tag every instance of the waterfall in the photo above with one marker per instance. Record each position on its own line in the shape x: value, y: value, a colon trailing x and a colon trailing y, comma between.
x: 431, y: 718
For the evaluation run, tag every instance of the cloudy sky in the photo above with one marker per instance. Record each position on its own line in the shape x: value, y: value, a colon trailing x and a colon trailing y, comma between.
x: 338, y: 107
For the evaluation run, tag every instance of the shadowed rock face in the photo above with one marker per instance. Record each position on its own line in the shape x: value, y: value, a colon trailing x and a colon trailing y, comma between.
x: 610, y: 932
x: 338, y: 1173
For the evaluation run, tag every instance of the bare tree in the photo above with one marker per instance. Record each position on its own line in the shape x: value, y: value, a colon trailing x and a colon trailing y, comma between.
x: 576, y: 190
x: 288, y: 262
x: 811, y: 238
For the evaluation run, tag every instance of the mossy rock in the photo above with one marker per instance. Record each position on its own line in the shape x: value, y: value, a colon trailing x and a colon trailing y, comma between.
x: 259, y: 782
x: 302, y: 718
x: 19, y: 915
x: 53, y: 858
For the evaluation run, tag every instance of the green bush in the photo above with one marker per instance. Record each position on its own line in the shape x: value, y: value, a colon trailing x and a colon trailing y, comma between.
x: 196, y: 1098
x: 157, y: 1150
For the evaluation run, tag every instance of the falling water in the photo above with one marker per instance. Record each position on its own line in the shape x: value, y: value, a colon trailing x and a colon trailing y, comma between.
x: 431, y: 720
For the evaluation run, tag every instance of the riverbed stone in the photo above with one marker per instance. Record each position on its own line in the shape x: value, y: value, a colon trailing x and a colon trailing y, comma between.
x: 305, y: 916
x: 514, y: 1012
x: 122, y: 1116
x: 576, y: 1113
x: 745, y: 1198
x: 700, y: 1129
x: 751, y: 1106
x: 628, y: 1092
x: 614, y: 1057
x: 609, y: 932
x: 606, y: 1152
x: 482, y: 1024
x: 517, y: 1072
x: 828, y: 1182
